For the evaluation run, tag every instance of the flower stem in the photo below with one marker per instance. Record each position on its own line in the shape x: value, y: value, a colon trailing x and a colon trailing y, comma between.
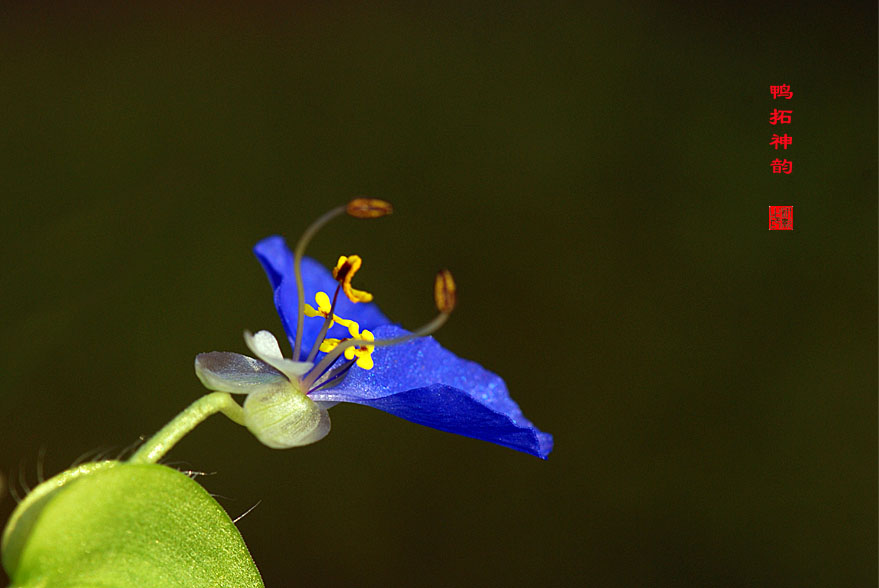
x: 162, y: 442
x: 312, y: 229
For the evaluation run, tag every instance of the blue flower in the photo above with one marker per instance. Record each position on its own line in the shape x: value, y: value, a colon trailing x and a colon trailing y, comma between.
x: 348, y: 351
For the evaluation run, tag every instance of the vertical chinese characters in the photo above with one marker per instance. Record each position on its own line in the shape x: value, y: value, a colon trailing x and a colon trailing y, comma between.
x: 781, y: 117
x: 781, y: 217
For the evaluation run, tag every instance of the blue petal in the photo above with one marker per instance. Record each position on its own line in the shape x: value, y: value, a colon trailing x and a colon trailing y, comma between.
x: 277, y: 260
x: 426, y: 384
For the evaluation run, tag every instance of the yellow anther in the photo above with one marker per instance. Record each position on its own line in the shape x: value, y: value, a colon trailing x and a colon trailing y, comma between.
x: 324, y: 308
x: 363, y: 354
x: 369, y: 208
x: 344, y: 271
x: 329, y: 344
x: 444, y: 291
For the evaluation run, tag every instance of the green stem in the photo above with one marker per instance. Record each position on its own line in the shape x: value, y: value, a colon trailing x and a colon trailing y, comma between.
x: 162, y: 442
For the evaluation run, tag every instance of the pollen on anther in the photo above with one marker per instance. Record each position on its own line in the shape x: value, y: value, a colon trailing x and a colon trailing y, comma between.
x: 369, y: 208
x: 444, y: 291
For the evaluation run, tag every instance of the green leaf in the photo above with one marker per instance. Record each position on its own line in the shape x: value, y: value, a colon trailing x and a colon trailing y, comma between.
x: 113, y: 524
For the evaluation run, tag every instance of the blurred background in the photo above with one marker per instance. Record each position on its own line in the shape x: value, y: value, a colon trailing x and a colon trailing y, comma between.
x: 597, y: 177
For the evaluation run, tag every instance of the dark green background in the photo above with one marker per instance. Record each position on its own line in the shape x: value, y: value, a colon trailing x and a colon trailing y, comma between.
x: 598, y: 179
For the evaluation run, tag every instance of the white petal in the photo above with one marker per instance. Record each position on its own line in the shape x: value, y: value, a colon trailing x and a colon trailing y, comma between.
x: 284, y: 418
x: 265, y: 346
x: 236, y: 374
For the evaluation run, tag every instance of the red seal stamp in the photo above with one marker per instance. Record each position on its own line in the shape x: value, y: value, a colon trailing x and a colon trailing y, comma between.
x: 781, y: 218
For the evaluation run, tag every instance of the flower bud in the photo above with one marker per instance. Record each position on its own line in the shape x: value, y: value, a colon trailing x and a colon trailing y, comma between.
x: 284, y: 417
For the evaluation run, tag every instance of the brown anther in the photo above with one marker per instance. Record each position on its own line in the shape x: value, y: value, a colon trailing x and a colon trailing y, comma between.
x: 369, y: 208
x: 444, y: 291
x: 345, y: 269
x: 341, y: 272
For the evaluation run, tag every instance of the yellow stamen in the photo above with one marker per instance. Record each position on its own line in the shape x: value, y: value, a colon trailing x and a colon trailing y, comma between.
x: 362, y: 352
x: 369, y: 208
x: 329, y: 344
x: 324, y: 309
x: 345, y: 269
